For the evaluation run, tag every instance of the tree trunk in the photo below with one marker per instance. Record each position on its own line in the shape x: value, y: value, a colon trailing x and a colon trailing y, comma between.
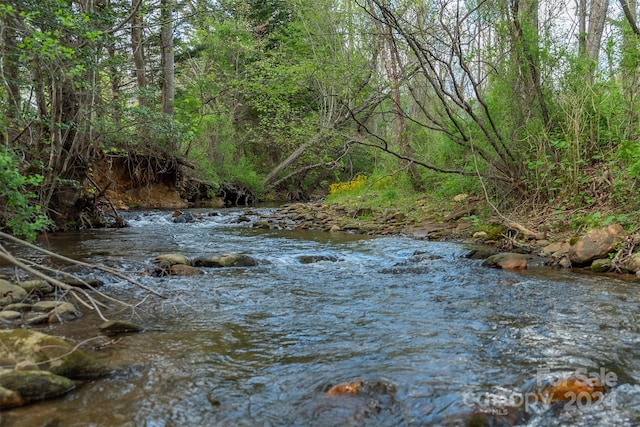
x: 138, y: 51
x: 10, y: 54
x: 582, y: 28
x: 391, y: 59
x: 115, y: 80
x: 631, y: 68
x: 167, y: 58
x: 597, y: 18
x: 526, y: 37
x: 629, y: 7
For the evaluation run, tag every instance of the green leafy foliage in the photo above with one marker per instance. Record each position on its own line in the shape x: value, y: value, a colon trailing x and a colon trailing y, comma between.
x: 629, y: 153
x: 597, y: 219
x: 21, y: 215
x: 529, y: 120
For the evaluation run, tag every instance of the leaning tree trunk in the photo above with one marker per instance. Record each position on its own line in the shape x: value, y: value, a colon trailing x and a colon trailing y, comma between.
x: 335, y: 124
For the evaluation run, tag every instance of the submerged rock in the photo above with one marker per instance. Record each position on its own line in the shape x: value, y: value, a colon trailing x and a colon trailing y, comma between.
x: 310, y: 259
x: 117, y: 327
x: 225, y: 260
x: 360, y: 402
x: 82, y: 282
x: 180, y: 217
x: 572, y: 388
x: 482, y: 252
x: 345, y: 388
x: 497, y: 417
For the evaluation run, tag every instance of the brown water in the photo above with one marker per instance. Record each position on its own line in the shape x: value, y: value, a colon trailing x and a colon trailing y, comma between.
x: 259, y: 346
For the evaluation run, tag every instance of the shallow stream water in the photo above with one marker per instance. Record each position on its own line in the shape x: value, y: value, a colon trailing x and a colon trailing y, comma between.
x: 260, y: 346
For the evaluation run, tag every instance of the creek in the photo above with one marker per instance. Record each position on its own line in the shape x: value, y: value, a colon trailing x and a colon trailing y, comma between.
x: 260, y: 346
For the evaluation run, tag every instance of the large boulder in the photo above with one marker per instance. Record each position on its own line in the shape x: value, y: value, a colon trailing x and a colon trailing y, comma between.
x: 506, y: 261
x: 595, y: 244
x: 49, y: 353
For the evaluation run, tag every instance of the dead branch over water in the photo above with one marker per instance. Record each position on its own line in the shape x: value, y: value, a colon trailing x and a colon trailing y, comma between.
x: 80, y: 294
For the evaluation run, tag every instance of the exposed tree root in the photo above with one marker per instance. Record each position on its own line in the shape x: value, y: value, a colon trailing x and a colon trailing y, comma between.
x: 119, y: 222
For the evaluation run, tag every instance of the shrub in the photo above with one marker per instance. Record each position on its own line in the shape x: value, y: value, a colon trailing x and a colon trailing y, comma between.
x: 20, y: 215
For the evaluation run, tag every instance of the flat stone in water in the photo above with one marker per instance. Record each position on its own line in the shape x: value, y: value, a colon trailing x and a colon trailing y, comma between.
x: 37, y: 286
x: 21, y: 307
x: 10, y: 315
x: 63, y: 312
x: 44, y: 306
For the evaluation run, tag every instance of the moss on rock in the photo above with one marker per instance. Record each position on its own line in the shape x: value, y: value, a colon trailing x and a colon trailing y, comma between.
x: 33, y: 385
x: 49, y: 353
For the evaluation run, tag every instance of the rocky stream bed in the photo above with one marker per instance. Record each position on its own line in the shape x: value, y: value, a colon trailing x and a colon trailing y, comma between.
x: 36, y: 366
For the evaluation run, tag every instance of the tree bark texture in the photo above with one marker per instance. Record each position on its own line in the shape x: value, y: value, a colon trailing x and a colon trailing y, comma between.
x: 137, y: 47
x: 167, y: 58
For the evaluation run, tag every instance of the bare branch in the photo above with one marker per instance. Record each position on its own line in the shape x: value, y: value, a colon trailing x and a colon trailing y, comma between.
x: 109, y: 270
